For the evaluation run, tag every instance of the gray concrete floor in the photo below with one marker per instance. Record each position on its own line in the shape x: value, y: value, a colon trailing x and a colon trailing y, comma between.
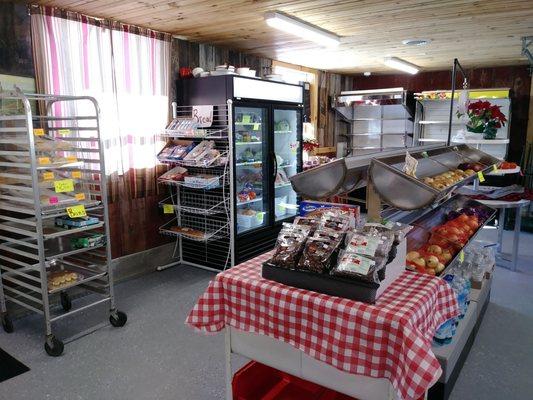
x: 155, y: 356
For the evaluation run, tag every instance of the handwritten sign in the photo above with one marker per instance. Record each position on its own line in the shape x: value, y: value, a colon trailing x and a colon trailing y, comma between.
x: 72, y: 159
x: 203, y: 116
x: 63, y: 131
x: 246, y: 119
x: 168, y: 209
x: 76, y: 211
x: 43, y: 160
x: 76, y: 174
x: 38, y: 132
x: 48, y: 176
x: 480, y: 176
x: 53, y: 200
x: 79, y: 196
x: 64, y: 185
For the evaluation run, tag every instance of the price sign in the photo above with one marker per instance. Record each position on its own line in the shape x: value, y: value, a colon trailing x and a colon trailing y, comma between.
x: 48, y: 176
x: 80, y: 196
x: 63, y: 131
x: 43, y: 160
x: 480, y: 176
x: 76, y: 211
x: 64, y: 185
x: 72, y: 159
x: 246, y: 119
x: 53, y: 200
x: 168, y: 209
x: 494, y: 168
x: 76, y: 174
x: 256, y: 127
x: 38, y: 132
x: 461, y: 256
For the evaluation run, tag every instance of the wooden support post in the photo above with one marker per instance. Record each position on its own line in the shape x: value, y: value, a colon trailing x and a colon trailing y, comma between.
x: 373, y: 203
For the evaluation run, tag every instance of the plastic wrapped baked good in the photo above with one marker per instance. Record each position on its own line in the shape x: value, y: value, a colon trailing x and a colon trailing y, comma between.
x: 175, y: 174
x: 337, y: 223
x: 311, y: 222
x: 398, y: 229
x: 289, y: 245
x: 370, y: 244
x: 329, y: 234
x: 358, y: 267
x: 318, y: 254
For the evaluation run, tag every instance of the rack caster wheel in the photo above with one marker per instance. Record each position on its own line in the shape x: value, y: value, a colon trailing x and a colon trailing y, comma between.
x: 118, y: 319
x: 7, y: 324
x: 66, y: 303
x: 53, y: 346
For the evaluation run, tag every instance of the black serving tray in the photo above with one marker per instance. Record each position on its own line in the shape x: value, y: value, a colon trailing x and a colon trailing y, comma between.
x: 322, y: 283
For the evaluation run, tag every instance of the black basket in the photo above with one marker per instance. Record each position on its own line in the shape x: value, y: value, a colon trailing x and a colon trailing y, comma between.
x: 322, y: 283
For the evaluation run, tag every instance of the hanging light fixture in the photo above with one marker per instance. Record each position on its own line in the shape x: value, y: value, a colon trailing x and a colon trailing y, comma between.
x: 399, y: 64
x: 302, y: 29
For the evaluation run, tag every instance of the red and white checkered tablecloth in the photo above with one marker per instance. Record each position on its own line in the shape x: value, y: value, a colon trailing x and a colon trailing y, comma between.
x: 390, y: 339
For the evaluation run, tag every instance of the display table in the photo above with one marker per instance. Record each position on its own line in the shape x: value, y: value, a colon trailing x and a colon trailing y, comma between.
x: 388, y: 340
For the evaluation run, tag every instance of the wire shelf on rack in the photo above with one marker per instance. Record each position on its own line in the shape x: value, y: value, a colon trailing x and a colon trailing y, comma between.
x: 198, y: 203
x: 202, y: 230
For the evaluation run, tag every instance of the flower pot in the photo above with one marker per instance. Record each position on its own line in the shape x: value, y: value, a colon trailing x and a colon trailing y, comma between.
x: 489, y: 131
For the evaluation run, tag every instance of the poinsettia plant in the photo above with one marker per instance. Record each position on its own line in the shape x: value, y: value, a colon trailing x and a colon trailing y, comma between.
x: 309, y: 145
x: 484, y: 117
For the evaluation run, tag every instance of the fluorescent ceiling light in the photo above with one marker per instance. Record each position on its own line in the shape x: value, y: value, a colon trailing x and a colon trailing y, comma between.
x: 398, y: 63
x: 301, y: 29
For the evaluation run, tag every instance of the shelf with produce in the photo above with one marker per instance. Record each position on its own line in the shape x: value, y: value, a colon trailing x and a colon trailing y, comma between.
x: 249, y: 163
x: 505, y: 171
x: 246, y: 143
x: 243, y: 203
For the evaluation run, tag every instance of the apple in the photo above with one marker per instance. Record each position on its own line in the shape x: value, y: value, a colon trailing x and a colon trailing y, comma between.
x: 432, y: 262
x: 419, y: 262
x: 431, y: 271
x: 463, y: 218
x: 435, y: 249
x: 412, y: 255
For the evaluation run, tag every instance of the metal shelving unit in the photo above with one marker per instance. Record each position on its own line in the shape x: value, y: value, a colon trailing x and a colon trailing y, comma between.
x: 52, y: 171
x: 202, y: 215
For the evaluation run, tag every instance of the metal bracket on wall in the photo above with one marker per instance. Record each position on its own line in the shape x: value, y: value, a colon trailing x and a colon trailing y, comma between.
x: 526, y: 42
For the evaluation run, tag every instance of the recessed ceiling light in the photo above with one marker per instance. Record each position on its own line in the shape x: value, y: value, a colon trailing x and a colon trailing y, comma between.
x: 402, y: 65
x: 302, y: 29
x: 416, y: 42
x: 367, y: 73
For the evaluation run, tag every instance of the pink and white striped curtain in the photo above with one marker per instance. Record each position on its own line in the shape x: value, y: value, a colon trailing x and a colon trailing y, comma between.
x: 126, y: 69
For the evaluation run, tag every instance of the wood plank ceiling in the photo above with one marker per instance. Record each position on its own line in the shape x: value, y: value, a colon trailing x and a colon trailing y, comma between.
x: 479, y: 33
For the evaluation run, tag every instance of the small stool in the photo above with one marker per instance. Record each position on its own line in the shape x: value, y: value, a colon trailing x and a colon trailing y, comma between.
x: 507, y: 260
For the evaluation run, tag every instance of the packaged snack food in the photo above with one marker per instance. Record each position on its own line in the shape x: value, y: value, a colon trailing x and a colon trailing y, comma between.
x: 398, y: 229
x: 367, y: 244
x: 318, y: 208
x: 289, y: 245
x: 175, y: 174
x: 311, y: 222
x: 329, y: 234
x: 358, y: 267
x: 318, y: 254
x: 337, y: 223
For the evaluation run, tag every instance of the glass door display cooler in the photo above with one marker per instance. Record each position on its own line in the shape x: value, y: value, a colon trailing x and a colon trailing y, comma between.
x: 286, y: 160
x: 251, y: 168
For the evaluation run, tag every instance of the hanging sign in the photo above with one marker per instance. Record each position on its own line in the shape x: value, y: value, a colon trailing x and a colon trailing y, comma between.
x: 480, y: 176
x: 80, y: 196
x: 43, y: 160
x: 38, y: 132
x: 168, y: 209
x: 203, y: 116
x: 48, y: 176
x: 76, y: 211
x: 76, y: 174
x: 64, y: 185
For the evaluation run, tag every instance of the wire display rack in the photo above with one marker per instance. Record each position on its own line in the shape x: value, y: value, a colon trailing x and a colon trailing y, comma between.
x: 52, y: 172
x: 200, y: 202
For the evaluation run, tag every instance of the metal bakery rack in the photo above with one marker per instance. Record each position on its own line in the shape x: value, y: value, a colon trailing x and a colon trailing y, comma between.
x: 54, y: 224
x: 200, y: 202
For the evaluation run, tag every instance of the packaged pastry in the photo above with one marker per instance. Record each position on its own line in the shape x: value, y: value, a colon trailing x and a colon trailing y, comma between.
x: 318, y: 254
x: 358, y: 267
x: 329, y: 234
x: 398, y: 229
x: 311, y: 222
x: 289, y: 245
x: 337, y: 223
x: 197, y: 152
x: 368, y: 244
x: 175, y: 174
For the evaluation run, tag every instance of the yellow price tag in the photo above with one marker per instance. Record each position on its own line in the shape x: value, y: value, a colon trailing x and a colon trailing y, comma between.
x: 168, y: 209
x: 72, y: 159
x: 461, y: 256
x: 246, y: 119
x: 494, y: 168
x: 38, y: 132
x: 80, y: 196
x: 256, y: 127
x: 48, y: 176
x: 480, y: 176
x: 63, y: 131
x: 44, y: 160
x: 64, y: 185
x: 76, y: 211
x: 76, y: 174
